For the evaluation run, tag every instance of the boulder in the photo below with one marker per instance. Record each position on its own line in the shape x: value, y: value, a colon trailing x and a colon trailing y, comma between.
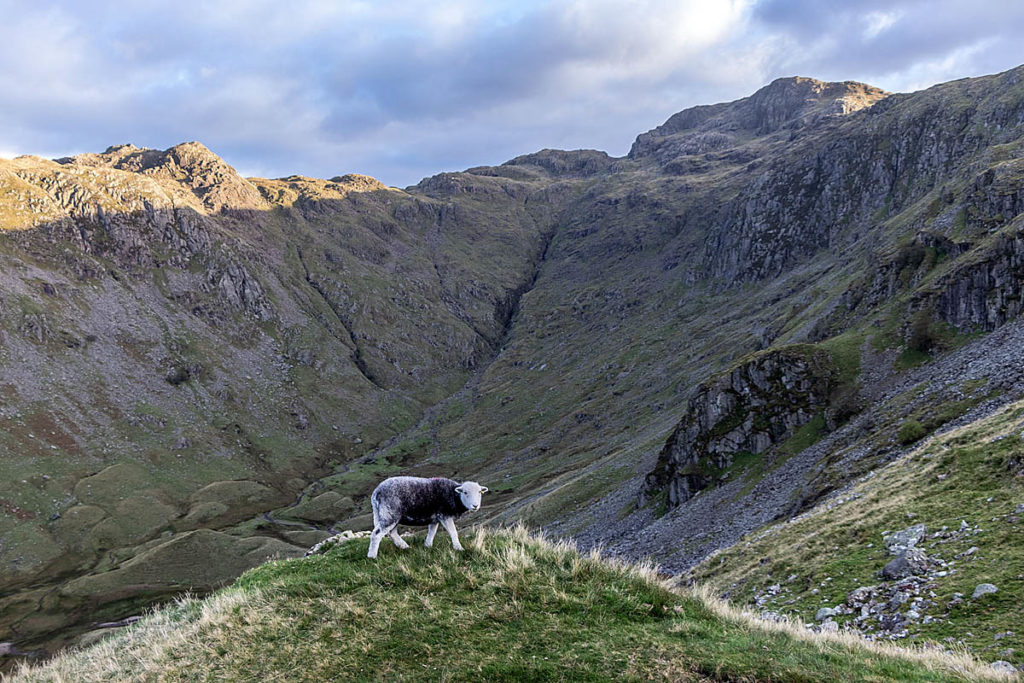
x: 825, y: 612
x: 983, y: 589
x: 1003, y: 666
x: 907, y: 563
x: 904, y: 540
x: 860, y: 595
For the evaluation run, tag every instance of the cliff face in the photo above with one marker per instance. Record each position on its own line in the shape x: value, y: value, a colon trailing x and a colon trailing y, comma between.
x: 921, y: 191
x: 565, y: 327
x: 747, y: 410
x: 987, y: 293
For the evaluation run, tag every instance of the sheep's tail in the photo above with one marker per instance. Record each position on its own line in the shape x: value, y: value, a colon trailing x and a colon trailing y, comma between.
x: 374, y: 505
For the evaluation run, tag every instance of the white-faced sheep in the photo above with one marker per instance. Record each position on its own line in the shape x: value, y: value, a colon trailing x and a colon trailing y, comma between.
x: 420, y: 502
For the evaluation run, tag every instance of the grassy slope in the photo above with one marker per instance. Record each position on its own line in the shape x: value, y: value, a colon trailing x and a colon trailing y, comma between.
x: 972, y: 475
x: 511, y: 608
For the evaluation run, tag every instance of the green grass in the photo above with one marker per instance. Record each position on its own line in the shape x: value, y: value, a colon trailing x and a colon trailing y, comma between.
x: 511, y: 608
x: 910, y: 431
x: 973, y: 474
x: 845, y: 349
x: 805, y: 436
x: 911, y: 358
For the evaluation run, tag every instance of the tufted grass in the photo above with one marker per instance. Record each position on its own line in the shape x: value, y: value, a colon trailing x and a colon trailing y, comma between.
x: 512, y: 607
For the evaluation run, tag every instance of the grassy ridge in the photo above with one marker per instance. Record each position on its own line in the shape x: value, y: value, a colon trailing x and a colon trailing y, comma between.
x: 512, y: 607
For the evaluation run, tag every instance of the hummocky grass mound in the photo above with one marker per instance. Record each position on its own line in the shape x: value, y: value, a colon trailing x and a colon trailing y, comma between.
x: 512, y: 607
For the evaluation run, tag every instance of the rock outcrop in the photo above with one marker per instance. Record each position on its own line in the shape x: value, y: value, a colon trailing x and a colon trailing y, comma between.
x: 191, y: 164
x: 750, y: 408
x: 988, y: 290
x: 785, y: 103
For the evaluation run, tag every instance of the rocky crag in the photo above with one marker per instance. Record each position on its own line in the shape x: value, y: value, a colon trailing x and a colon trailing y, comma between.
x: 744, y: 411
x: 197, y: 360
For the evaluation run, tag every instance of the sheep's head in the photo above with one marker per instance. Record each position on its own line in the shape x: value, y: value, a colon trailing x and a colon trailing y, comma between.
x: 470, y: 492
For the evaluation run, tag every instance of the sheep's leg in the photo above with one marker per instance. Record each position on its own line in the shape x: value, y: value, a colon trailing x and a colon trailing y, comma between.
x: 399, y: 541
x: 431, y: 530
x: 374, y: 542
x: 379, y: 532
x: 449, y: 526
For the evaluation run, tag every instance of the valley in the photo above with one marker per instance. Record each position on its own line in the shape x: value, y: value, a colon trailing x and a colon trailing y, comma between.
x: 767, y: 307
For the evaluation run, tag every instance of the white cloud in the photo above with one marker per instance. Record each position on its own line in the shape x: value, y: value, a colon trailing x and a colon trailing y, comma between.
x: 877, y: 22
x: 405, y: 89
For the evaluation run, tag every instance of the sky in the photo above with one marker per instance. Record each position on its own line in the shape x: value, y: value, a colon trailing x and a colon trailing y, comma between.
x: 405, y: 89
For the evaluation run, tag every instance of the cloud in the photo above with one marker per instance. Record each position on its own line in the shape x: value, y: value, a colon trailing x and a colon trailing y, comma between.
x: 406, y: 89
x: 901, y: 45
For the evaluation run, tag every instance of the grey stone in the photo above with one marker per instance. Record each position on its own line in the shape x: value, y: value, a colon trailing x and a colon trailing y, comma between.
x: 907, y: 563
x: 890, y: 622
x: 1003, y: 666
x: 824, y: 613
x: 900, y: 541
x: 983, y: 589
x: 859, y: 595
x: 898, y: 598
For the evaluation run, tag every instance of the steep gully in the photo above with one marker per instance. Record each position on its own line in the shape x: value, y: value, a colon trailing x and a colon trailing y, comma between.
x: 352, y: 341
x: 508, y: 310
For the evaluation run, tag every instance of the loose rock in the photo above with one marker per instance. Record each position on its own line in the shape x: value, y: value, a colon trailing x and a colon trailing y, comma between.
x: 825, y: 612
x: 1003, y: 666
x: 905, y: 564
x: 902, y: 541
x: 983, y: 589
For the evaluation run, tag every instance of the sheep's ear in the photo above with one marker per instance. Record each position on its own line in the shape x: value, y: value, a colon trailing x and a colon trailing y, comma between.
x: 483, y: 489
x: 458, y: 489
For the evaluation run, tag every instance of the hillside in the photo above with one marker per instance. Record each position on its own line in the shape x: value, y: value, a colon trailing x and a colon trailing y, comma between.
x: 513, y: 607
x: 901, y: 553
x: 658, y: 353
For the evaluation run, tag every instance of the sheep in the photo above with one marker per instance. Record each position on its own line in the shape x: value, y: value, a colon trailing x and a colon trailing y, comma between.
x: 417, y: 501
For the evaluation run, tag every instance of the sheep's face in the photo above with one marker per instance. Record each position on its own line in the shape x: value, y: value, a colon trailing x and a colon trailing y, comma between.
x: 470, y: 493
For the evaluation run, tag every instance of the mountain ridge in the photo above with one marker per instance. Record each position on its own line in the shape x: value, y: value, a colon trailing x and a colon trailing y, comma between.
x: 789, y: 103
x: 255, y: 353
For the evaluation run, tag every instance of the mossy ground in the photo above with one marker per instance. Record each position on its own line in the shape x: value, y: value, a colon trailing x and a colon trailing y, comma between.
x: 512, y: 607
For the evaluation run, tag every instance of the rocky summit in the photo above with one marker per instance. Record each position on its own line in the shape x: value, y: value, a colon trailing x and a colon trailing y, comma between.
x: 768, y: 310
